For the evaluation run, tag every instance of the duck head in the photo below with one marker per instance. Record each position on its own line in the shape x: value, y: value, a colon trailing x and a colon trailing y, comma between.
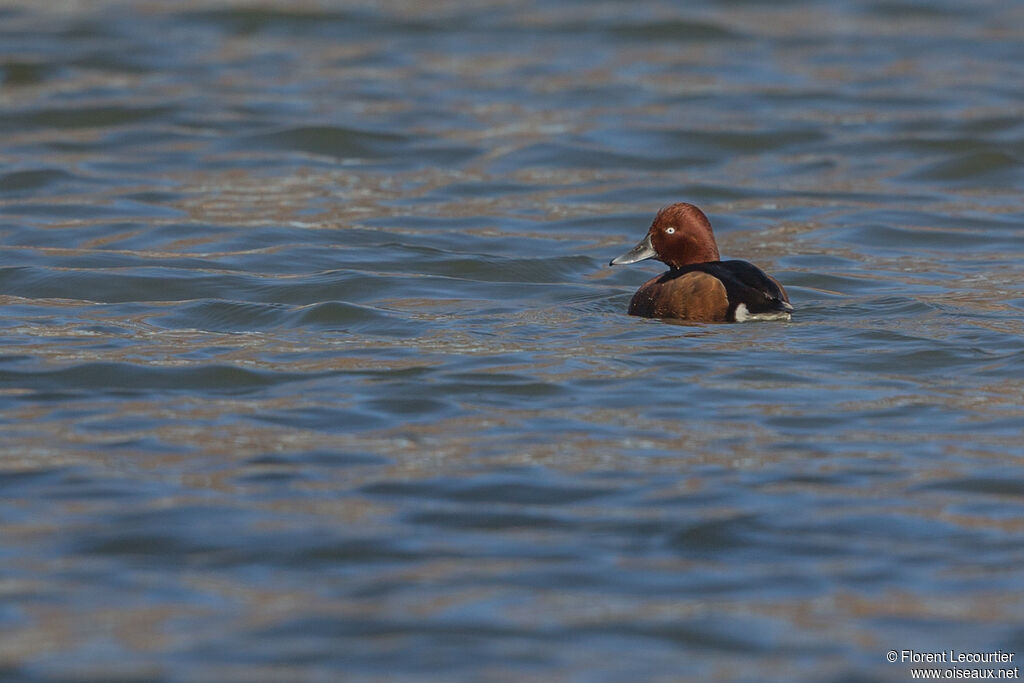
x: 680, y: 235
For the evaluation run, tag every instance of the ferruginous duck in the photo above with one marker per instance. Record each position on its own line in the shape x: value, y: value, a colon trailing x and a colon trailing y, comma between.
x: 698, y: 285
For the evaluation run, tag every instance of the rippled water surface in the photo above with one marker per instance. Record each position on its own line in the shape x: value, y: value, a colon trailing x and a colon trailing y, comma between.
x: 313, y: 367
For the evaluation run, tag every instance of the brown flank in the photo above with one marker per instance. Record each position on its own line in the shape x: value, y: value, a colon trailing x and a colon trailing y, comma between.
x: 693, y: 296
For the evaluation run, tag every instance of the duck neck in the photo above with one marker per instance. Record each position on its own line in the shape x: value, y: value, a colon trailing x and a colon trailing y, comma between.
x: 695, y: 252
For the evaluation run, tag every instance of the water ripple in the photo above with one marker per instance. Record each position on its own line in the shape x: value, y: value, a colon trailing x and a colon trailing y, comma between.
x: 312, y: 362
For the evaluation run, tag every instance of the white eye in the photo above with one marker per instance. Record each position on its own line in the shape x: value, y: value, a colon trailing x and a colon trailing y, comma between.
x: 669, y: 231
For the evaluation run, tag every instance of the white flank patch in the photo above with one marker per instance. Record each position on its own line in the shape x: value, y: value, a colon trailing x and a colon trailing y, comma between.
x: 743, y: 314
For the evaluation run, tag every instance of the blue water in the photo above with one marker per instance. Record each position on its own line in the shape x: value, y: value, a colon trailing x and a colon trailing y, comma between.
x: 313, y: 369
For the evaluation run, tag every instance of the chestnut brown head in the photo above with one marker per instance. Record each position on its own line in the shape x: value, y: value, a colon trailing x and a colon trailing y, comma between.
x: 680, y: 235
